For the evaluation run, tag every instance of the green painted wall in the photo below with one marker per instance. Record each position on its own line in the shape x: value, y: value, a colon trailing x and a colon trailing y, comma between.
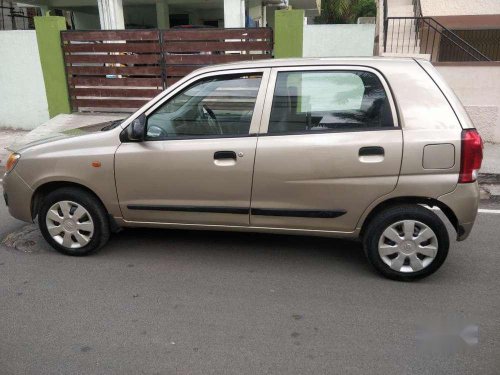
x: 48, y: 35
x: 288, y: 33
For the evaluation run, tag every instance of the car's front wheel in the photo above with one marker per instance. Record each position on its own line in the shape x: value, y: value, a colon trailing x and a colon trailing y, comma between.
x: 406, y: 242
x: 73, y: 221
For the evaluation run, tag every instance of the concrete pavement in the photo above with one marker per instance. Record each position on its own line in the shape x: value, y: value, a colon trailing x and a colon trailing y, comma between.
x: 489, y: 177
x: 59, y: 123
x: 174, y: 302
x: 491, y: 158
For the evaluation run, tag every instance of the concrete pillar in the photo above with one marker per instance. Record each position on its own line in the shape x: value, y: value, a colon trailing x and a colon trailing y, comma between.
x: 288, y: 33
x: 256, y: 13
x: 111, y: 14
x: 270, y: 11
x: 234, y: 13
x: 48, y: 35
x: 162, y: 14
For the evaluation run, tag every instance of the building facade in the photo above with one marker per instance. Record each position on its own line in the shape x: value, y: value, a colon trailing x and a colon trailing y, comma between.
x: 147, y: 14
x: 14, y: 16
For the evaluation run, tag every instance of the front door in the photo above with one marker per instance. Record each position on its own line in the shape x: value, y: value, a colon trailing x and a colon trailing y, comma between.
x: 196, y: 164
x: 332, y: 146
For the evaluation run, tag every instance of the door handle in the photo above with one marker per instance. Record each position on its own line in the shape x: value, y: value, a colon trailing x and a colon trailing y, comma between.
x: 371, y: 154
x: 220, y: 155
x: 371, y: 151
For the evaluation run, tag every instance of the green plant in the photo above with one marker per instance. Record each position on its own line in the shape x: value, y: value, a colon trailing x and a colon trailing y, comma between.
x: 366, y: 8
x: 345, y: 11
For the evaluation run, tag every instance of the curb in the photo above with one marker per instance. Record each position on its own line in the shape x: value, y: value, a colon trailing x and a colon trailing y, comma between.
x: 489, y: 185
x: 489, y: 178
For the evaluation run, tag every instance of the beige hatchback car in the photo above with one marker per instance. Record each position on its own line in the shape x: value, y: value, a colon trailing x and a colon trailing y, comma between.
x: 353, y: 148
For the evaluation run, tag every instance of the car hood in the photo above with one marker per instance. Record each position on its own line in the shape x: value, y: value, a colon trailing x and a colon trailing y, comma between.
x: 44, y: 134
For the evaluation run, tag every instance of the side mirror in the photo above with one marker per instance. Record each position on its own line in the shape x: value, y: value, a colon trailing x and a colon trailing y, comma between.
x: 137, y: 129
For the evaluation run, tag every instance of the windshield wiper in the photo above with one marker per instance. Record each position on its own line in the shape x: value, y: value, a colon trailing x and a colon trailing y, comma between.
x: 112, y: 125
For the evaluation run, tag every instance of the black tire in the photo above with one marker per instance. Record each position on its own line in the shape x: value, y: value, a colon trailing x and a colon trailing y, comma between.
x: 392, y: 215
x: 96, y: 210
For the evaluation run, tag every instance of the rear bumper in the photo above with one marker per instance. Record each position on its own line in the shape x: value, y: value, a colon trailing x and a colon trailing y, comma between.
x: 464, y: 202
x: 17, y: 195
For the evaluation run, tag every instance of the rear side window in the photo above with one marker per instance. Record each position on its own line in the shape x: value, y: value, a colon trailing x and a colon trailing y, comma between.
x: 311, y: 101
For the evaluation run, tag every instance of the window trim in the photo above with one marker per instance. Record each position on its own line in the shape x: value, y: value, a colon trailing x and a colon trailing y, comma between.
x: 264, y: 125
x: 256, y: 115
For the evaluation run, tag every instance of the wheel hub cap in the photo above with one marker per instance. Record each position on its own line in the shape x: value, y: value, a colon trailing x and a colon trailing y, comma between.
x: 69, y: 224
x: 408, y: 246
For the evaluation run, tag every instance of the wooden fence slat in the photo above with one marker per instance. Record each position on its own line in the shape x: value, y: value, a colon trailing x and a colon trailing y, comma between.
x: 114, y: 70
x: 211, y: 59
x: 117, y: 59
x: 171, y: 80
x: 214, y: 34
x: 150, y: 65
x: 111, y: 47
x: 118, y: 93
x: 102, y: 81
x: 108, y: 103
x: 216, y: 46
x: 181, y: 70
x: 110, y: 35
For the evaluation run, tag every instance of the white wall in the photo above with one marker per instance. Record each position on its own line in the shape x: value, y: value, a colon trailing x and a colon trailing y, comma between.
x: 234, y: 13
x: 478, y: 88
x: 432, y: 8
x: 23, y: 102
x: 338, y: 40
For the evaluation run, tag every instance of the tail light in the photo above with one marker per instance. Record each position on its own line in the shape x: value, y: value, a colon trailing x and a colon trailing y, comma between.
x: 471, y: 157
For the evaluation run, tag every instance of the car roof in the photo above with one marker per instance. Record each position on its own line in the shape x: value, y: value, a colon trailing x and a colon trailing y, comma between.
x: 275, y: 63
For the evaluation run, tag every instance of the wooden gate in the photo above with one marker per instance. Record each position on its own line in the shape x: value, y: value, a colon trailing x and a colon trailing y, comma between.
x: 121, y: 70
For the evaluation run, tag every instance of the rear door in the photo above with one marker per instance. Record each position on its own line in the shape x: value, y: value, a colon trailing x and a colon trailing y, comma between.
x: 330, y: 145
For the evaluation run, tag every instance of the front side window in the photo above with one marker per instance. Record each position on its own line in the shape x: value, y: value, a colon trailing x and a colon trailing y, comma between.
x: 311, y: 101
x: 211, y: 107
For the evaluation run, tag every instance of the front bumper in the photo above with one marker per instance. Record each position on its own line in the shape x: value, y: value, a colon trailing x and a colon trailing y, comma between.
x: 17, y: 195
x: 464, y: 202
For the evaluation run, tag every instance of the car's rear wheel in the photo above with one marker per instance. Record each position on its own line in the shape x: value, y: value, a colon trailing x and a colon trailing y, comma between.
x: 406, y: 242
x: 73, y: 221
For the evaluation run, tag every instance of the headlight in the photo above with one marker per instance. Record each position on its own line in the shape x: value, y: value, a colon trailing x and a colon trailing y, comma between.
x: 11, y: 162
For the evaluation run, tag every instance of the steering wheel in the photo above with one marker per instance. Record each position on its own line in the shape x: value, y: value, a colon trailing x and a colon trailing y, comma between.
x: 212, y: 119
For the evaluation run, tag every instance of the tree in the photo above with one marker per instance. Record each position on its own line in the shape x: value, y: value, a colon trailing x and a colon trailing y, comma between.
x: 345, y: 11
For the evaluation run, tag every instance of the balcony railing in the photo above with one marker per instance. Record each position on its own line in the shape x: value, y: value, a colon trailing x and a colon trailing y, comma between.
x: 424, y: 35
